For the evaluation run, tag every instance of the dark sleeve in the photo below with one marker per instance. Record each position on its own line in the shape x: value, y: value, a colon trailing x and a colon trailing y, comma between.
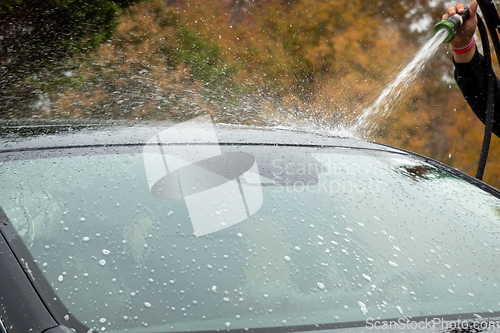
x: 471, y: 81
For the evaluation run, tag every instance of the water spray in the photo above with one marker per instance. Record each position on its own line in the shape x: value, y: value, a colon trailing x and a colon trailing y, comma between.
x: 452, y: 24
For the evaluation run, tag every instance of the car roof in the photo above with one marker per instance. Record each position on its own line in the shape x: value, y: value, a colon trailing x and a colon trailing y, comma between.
x: 29, y: 135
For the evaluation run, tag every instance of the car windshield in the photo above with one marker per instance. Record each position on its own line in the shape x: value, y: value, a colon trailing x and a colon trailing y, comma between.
x: 322, y: 235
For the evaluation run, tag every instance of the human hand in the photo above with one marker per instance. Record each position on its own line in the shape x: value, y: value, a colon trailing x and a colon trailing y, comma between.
x: 467, y: 29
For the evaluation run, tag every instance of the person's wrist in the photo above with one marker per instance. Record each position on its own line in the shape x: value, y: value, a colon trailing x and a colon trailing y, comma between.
x: 464, y: 49
x: 465, y: 57
x: 460, y: 44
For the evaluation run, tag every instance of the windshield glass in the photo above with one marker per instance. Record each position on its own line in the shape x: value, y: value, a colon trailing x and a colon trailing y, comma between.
x: 323, y: 235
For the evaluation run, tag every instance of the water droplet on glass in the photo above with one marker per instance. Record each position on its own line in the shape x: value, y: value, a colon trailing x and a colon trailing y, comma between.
x: 287, y: 258
x: 367, y: 277
x: 105, y: 252
x: 102, y: 262
x: 86, y: 239
x: 146, y: 304
x: 393, y: 264
x: 60, y: 278
x: 320, y: 285
x: 362, y: 307
x: 102, y: 320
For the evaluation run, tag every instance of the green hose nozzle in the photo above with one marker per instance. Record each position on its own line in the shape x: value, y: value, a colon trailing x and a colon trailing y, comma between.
x: 452, y: 24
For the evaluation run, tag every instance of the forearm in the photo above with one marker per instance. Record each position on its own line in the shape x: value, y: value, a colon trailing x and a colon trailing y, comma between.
x: 472, y: 82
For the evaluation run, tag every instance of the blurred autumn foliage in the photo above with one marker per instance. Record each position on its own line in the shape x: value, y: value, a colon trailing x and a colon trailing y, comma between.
x: 301, y: 63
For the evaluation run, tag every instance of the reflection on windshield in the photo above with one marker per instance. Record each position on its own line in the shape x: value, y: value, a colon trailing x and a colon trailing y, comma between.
x: 422, y: 172
x: 348, y: 237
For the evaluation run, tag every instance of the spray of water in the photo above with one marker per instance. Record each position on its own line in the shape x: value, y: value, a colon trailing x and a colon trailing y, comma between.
x: 367, y: 122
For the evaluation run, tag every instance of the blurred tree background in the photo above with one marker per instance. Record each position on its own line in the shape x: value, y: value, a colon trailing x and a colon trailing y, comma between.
x: 317, y: 63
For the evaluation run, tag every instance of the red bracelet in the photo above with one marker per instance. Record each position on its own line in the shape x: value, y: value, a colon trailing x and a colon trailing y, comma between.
x: 465, y: 49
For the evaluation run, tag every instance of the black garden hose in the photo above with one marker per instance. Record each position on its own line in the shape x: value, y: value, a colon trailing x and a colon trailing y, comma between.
x: 490, y: 98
